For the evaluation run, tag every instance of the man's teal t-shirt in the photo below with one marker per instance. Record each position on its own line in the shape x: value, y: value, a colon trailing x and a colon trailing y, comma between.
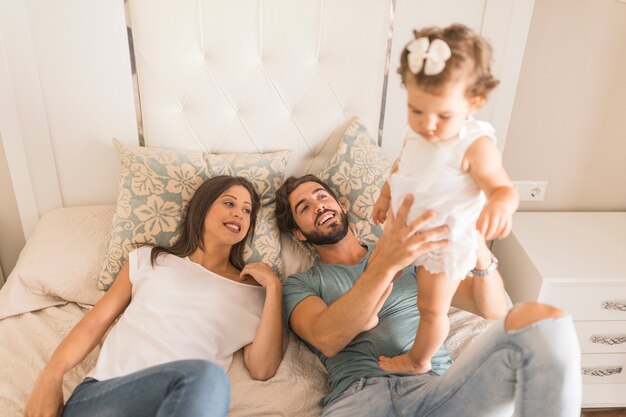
x: 394, y: 334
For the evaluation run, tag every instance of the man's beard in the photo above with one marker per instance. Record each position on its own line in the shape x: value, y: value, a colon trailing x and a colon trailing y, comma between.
x: 338, y: 231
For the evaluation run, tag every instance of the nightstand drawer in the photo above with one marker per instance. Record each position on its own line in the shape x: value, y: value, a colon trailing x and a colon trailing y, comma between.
x: 601, y: 336
x: 577, y: 262
x: 603, y: 368
x: 604, y: 395
x: 597, y: 301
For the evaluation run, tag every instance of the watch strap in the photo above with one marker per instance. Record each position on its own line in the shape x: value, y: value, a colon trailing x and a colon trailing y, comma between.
x: 484, y: 272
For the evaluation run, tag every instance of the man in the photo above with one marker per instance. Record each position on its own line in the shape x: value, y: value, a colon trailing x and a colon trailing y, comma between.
x: 357, y: 304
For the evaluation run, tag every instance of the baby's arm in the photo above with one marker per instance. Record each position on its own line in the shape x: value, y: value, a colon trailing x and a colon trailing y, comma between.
x: 484, y: 163
x: 381, y: 207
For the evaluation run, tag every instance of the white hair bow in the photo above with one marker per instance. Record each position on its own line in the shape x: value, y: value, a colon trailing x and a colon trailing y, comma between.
x: 430, y: 55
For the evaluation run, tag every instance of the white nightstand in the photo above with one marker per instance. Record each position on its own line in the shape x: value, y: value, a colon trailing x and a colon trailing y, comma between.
x: 576, y: 261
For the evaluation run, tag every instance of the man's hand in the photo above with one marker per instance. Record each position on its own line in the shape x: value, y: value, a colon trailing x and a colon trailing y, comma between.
x: 401, y: 243
x: 484, y: 296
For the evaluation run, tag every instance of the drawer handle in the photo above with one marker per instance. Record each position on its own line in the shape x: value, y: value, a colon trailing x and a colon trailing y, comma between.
x: 613, y: 305
x: 608, y: 340
x: 601, y: 371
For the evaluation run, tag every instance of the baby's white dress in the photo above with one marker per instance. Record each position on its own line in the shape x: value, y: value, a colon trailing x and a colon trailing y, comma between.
x: 432, y: 173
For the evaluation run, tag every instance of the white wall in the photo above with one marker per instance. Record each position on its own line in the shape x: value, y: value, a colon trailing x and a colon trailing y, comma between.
x: 69, y: 68
x: 65, y: 92
x: 11, y: 232
x: 84, y: 67
x: 568, y: 123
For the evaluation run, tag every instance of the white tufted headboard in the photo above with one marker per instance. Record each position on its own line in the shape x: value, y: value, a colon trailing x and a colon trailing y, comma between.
x: 256, y: 76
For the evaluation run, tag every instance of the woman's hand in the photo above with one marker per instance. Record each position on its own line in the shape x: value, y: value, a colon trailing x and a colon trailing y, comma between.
x: 264, y: 354
x: 46, y: 398
x: 262, y: 273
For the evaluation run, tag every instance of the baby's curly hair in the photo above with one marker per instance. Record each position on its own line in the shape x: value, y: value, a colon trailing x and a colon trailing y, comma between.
x: 471, y: 58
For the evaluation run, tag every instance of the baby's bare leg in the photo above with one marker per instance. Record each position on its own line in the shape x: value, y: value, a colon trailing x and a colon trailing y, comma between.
x: 435, y: 293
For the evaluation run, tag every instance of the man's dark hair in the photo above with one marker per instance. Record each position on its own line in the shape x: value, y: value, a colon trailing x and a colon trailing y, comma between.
x: 285, y: 219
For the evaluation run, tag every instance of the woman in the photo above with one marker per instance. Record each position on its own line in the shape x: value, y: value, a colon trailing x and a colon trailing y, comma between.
x: 183, y: 311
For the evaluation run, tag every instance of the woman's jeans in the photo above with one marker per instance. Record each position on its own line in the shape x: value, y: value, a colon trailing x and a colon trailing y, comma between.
x: 530, y: 372
x: 183, y: 388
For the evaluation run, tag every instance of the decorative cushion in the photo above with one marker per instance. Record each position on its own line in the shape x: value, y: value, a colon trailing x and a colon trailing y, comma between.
x: 156, y: 185
x: 59, y: 262
x: 357, y: 172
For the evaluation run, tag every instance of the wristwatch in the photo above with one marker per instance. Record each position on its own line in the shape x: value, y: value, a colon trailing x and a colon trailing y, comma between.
x: 484, y: 272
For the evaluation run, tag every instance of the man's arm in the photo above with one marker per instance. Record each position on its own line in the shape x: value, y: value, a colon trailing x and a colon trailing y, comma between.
x: 331, y: 327
x: 483, y: 296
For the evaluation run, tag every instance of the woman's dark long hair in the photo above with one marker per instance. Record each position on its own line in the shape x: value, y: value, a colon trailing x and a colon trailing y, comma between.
x: 192, y: 226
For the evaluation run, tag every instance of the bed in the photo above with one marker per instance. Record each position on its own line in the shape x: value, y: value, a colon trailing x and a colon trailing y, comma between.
x: 51, y: 289
x: 263, y: 105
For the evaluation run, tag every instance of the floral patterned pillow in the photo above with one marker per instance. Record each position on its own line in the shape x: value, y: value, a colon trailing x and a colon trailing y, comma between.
x: 156, y: 185
x: 357, y: 172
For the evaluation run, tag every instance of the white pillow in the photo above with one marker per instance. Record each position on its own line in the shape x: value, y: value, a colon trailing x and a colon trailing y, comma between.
x: 63, y: 256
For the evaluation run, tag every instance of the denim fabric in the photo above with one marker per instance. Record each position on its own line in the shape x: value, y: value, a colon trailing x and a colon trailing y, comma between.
x: 183, y: 388
x: 531, y: 372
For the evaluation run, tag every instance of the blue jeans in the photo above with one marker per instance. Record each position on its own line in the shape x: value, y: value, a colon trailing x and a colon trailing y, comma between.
x: 184, y: 388
x: 530, y: 372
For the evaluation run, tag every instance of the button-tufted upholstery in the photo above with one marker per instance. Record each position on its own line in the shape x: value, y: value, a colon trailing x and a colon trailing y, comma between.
x: 255, y: 76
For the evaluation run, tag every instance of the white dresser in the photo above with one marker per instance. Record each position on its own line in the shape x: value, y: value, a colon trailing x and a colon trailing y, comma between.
x: 576, y: 261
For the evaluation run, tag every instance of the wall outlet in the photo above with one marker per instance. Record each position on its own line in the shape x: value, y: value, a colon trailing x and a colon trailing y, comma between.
x: 531, y: 190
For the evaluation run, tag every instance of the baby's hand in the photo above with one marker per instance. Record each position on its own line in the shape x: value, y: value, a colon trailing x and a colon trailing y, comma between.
x: 495, y: 221
x: 379, y: 213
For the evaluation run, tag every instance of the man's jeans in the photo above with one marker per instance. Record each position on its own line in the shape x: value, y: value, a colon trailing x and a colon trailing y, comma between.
x: 531, y: 372
x: 184, y: 388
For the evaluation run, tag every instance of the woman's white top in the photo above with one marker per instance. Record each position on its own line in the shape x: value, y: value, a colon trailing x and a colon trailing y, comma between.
x: 432, y: 173
x: 178, y: 310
